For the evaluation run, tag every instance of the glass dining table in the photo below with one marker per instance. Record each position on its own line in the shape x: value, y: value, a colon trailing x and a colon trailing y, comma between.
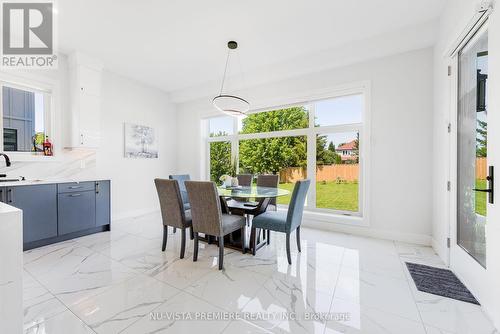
x: 249, y: 201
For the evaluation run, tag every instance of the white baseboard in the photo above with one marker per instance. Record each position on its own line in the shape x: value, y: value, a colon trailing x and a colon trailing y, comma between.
x: 440, y: 250
x: 132, y: 213
x: 419, y: 239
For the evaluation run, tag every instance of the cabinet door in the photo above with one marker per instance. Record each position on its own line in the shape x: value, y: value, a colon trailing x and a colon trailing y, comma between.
x: 90, y: 123
x: 39, y: 205
x: 76, y: 211
x: 102, y: 203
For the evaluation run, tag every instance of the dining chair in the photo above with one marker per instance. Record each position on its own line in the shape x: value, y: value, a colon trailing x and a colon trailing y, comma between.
x: 181, y: 178
x: 208, y: 218
x: 244, y: 180
x: 269, y: 181
x: 281, y: 221
x: 172, y: 211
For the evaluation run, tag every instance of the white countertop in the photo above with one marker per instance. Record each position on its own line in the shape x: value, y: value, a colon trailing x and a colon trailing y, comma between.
x: 11, y: 269
x: 32, y: 182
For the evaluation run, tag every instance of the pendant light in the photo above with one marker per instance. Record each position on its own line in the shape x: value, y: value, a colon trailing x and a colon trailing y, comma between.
x: 230, y: 104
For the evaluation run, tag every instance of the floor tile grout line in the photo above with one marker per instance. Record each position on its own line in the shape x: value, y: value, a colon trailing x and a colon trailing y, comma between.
x: 67, y: 309
x: 412, y: 294
x: 335, y: 287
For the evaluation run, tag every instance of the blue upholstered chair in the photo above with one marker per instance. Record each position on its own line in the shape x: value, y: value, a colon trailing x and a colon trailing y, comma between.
x: 285, y: 222
x: 182, y: 187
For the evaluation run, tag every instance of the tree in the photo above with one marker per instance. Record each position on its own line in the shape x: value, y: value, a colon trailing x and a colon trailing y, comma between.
x: 331, y: 147
x: 270, y: 155
x: 220, y: 160
x: 481, y: 139
x: 144, y: 136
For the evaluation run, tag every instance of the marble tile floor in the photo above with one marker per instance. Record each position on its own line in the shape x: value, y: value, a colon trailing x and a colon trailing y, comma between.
x: 121, y: 282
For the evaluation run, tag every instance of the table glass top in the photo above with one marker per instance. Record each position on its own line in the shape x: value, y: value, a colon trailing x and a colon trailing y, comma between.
x: 252, y: 192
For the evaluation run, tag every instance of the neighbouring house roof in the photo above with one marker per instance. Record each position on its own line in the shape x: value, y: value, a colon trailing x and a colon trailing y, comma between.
x: 347, y: 146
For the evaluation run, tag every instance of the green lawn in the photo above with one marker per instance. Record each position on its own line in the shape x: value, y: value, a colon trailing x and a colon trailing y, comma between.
x: 330, y: 195
x: 481, y: 197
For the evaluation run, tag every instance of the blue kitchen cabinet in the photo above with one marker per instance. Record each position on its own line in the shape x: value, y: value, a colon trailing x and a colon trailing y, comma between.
x: 76, y: 211
x: 102, y: 203
x: 39, y: 205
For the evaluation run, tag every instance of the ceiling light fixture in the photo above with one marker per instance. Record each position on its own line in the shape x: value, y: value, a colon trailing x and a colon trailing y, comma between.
x: 230, y: 104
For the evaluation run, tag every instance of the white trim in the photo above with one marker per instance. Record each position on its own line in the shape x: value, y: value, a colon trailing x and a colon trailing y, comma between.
x: 364, y: 129
x: 483, y: 11
x: 35, y: 83
x: 361, y: 230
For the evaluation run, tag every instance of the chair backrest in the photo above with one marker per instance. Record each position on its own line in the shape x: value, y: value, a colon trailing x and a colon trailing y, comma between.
x: 296, y: 206
x: 244, y: 180
x: 206, y: 212
x: 171, y: 205
x: 270, y: 181
x: 182, y: 178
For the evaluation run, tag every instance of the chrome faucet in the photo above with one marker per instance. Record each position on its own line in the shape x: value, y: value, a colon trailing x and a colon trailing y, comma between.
x: 7, y: 160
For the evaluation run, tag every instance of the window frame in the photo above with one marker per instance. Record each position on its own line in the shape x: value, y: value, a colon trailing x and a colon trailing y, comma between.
x: 359, y: 218
x: 32, y: 83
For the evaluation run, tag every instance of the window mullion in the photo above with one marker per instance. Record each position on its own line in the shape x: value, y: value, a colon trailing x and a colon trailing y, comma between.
x: 311, y: 158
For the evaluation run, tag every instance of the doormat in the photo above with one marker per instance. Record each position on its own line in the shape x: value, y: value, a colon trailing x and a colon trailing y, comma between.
x: 441, y: 282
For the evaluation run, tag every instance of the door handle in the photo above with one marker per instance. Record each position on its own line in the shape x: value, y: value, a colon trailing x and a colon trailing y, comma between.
x: 9, y: 196
x: 491, y: 185
x: 75, y: 195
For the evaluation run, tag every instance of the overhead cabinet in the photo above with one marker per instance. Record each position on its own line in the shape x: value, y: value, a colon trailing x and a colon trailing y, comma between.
x: 85, y: 95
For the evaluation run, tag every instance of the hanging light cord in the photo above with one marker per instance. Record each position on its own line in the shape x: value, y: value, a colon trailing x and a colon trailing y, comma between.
x: 225, y: 70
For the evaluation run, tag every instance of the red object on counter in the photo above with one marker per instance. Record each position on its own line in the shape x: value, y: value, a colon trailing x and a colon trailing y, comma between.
x: 47, y: 147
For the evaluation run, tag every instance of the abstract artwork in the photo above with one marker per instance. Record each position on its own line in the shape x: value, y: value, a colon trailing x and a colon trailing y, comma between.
x: 140, y: 142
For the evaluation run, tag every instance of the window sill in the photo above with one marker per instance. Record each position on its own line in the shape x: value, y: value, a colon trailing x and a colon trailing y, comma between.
x: 331, y: 218
x: 30, y: 157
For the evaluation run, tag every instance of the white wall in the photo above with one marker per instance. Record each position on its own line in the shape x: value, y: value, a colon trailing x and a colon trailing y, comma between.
x: 483, y: 283
x: 401, y: 115
x: 123, y: 100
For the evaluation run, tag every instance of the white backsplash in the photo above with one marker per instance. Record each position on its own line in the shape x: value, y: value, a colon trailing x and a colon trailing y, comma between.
x: 70, y: 163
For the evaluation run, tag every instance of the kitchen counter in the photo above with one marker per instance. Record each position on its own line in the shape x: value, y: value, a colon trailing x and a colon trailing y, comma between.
x: 11, y: 269
x: 47, y: 181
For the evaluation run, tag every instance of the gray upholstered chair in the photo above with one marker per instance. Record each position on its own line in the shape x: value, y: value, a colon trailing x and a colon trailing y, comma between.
x: 208, y: 218
x: 181, y: 178
x: 244, y: 180
x: 285, y: 222
x: 172, y: 210
x: 269, y: 181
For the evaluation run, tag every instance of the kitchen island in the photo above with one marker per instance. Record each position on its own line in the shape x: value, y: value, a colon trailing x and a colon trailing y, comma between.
x: 11, y: 269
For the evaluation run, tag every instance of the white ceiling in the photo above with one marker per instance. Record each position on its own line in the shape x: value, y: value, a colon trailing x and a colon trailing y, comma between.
x: 177, y: 44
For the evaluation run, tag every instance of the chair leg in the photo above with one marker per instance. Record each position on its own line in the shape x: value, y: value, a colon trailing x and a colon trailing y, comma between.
x: 221, y: 253
x: 183, y: 242
x: 298, y: 238
x: 165, y: 236
x: 289, y: 257
x: 243, y: 239
x: 268, y: 237
x: 174, y: 230
x: 191, y: 233
x: 253, y: 240
x: 195, y: 252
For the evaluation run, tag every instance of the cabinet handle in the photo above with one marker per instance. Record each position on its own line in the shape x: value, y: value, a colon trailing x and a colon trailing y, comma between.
x: 10, y: 198
x: 81, y: 139
x: 75, y: 195
x: 75, y: 187
x: 97, y: 187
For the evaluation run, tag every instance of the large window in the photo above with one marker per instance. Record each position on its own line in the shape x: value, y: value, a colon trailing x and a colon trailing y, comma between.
x: 25, y: 118
x: 321, y: 140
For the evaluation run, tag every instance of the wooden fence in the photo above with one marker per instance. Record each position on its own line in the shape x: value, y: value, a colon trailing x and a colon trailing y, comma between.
x: 481, y: 168
x: 350, y: 172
